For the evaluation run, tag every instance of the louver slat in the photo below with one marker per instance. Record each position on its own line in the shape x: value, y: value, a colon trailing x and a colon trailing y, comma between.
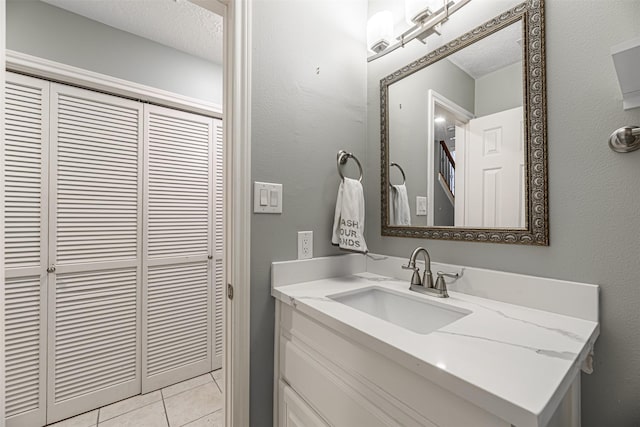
x: 85, y: 125
x: 219, y: 301
x: 178, y: 185
x: 24, y: 146
x: 22, y: 344
x: 219, y: 292
x: 25, y: 170
x: 178, y: 336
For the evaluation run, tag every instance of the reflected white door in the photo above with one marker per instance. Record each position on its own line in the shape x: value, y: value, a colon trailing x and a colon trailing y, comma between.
x: 494, y: 178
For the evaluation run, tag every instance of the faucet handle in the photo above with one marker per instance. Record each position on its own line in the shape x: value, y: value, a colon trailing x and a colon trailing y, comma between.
x: 452, y: 275
x: 441, y: 285
x: 415, y: 278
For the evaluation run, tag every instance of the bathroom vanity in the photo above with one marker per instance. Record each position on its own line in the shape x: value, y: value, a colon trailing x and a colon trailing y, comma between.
x: 355, y: 347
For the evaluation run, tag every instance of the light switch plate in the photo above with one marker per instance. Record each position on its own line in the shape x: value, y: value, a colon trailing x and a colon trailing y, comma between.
x: 267, y: 197
x: 421, y: 206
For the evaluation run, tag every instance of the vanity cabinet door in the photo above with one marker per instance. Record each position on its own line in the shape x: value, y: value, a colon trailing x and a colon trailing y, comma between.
x: 295, y: 412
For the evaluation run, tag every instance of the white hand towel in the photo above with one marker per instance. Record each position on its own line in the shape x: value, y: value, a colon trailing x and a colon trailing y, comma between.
x: 399, y: 211
x: 348, y: 222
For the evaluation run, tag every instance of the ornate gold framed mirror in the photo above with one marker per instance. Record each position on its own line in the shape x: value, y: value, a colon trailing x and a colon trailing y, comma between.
x: 463, y: 136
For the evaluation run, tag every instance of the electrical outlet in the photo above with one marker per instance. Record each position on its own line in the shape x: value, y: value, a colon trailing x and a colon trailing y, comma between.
x: 305, y: 244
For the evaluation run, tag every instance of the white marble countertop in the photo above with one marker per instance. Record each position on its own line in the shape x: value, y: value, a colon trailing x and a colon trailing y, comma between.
x: 513, y: 361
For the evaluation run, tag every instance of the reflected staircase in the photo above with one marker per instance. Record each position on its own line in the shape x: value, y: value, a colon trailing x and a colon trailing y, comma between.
x: 447, y: 174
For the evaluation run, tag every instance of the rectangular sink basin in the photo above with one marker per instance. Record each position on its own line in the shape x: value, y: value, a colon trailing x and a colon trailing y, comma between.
x: 416, y: 314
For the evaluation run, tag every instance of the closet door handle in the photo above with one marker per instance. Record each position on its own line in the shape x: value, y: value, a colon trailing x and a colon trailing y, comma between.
x: 51, y: 269
x: 210, y: 256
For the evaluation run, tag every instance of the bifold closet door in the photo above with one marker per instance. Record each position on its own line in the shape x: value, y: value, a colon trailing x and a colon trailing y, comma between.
x: 219, y: 289
x: 95, y: 226
x: 178, y: 257
x: 25, y: 173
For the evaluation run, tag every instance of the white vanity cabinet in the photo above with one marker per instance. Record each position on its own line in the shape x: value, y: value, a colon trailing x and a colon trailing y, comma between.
x: 322, y: 373
x: 509, y: 357
x: 295, y: 411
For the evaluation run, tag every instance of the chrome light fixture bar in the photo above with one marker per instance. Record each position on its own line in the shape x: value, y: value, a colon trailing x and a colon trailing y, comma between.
x: 423, y: 29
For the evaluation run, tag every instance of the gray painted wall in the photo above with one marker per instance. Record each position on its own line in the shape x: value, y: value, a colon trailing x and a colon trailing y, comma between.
x: 408, y: 112
x: 499, y: 91
x: 308, y: 101
x: 594, y: 199
x: 42, y: 30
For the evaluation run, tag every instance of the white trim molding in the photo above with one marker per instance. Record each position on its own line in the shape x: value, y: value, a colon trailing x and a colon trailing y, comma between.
x: 433, y: 99
x: 237, y: 201
x: 238, y: 208
x: 56, y: 71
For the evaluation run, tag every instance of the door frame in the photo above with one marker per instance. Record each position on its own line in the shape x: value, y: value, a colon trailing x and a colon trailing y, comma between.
x: 434, y: 98
x: 237, y: 142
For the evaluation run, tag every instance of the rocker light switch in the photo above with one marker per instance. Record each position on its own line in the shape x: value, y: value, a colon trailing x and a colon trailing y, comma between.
x: 264, y: 197
x: 267, y: 197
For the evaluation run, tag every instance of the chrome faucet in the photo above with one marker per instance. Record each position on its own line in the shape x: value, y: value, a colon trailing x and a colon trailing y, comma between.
x: 425, y: 285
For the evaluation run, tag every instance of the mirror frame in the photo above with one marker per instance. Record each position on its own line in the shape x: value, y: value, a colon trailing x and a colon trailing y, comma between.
x: 536, y: 232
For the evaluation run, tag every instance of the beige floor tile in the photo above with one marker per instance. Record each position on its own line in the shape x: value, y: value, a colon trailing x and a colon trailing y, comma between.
x: 212, y: 420
x: 148, y: 416
x: 128, y: 405
x: 186, y: 385
x: 218, y: 376
x: 88, y: 419
x: 192, y: 404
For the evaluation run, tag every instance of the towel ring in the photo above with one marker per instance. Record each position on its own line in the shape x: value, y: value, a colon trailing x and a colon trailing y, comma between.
x: 404, y: 177
x: 343, y: 156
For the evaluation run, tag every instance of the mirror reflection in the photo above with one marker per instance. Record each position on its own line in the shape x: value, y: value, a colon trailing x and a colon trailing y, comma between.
x: 456, y: 138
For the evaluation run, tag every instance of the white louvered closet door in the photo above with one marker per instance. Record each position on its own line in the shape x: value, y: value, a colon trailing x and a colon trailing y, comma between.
x: 177, y: 261
x: 219, y: 290
x: 25, y: 173
x: 95, y: 245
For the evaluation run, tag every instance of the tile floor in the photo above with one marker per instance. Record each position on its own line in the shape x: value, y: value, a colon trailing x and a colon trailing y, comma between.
x: 197, y: 402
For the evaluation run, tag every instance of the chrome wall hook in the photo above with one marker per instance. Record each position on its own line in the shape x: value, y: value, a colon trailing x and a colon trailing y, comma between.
x: 625, y: 139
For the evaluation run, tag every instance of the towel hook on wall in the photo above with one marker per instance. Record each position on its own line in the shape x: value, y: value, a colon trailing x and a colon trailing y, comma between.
x: 343, y: 156
x: 404, y: 177
x: 625, y: 139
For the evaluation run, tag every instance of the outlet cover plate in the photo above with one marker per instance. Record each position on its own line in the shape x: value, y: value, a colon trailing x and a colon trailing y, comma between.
x: 305, y: 244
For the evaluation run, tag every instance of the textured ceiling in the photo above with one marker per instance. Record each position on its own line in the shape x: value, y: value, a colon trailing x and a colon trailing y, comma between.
x: 175, y: 23
x: 491, y: 53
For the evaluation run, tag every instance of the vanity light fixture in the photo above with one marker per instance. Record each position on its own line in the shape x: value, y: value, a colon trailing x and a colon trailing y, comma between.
x: 439, y: 119
x: 380, y: 31
x: 425, y: 20
x: 417, y: 11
